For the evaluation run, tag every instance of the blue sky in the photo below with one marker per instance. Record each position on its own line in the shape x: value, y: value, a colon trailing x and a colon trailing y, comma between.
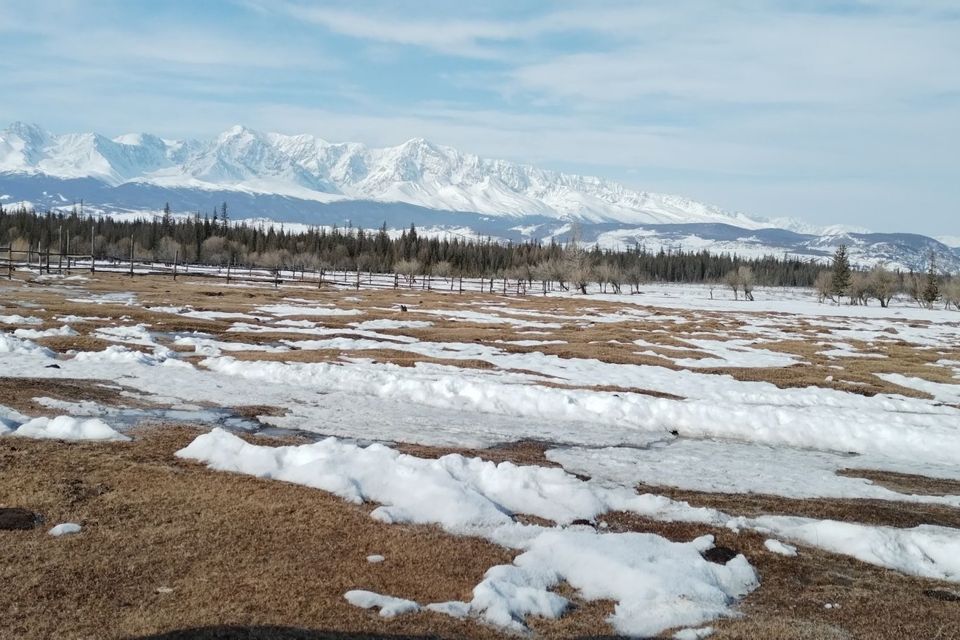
x: 832, y: 112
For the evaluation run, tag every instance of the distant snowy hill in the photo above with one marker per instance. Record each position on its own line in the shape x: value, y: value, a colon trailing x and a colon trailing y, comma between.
x: 305, y: 179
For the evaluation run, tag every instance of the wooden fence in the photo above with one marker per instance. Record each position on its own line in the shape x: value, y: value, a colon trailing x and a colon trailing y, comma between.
x: 49, y: 262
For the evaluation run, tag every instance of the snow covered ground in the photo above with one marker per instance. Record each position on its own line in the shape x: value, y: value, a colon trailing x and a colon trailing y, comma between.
x: 676, y: 387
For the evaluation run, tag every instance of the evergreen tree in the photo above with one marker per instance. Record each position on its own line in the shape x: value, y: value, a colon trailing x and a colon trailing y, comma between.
x: 931, y: 288
x: 841, y: 272
x: 167, y: 218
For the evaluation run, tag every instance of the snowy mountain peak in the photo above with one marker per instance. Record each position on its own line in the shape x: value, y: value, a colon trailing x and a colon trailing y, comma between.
x: 27, y: 132
x: 237, y: 131
x: 417, y: 172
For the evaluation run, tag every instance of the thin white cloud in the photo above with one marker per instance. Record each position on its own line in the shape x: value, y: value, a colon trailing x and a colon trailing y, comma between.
x: 776, y: 59
x: 470, y: 38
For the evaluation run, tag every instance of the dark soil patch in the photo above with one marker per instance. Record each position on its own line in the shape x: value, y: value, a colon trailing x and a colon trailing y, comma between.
x: 17, y: 519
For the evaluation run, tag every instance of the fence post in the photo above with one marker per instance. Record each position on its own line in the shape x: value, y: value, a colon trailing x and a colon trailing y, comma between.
x: 176, y: 258
x: 228, y: 270
x: 131, y: 256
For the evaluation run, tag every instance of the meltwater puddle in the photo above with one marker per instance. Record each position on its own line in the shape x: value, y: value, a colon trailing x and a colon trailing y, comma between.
x: 124, y: 418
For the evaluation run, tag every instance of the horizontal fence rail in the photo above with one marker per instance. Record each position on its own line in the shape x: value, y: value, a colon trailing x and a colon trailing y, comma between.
x: 42, y: 262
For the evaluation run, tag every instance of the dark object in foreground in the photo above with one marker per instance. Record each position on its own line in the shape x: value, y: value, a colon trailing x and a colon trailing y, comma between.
x: 943, y: 594
x: 16, y: 519
x: 719, y: 555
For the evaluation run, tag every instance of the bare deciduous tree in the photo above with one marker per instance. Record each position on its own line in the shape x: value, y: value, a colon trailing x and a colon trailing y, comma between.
x: 409, y: 269
x: 746, y: 280
x: 732, y: 280
x: 824, y: 286
x: 883, y: 284
x: 951, y: 293
x: 577, y: 262
x: 859, y: 288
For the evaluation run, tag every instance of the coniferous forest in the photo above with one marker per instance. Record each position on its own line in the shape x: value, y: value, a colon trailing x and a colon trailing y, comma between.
x: 214, y: 240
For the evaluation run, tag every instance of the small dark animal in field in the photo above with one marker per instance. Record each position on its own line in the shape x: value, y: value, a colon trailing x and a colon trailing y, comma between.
x: 403, y: 308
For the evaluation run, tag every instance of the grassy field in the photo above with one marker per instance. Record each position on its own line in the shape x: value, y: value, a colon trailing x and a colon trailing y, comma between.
x: 170, y: 549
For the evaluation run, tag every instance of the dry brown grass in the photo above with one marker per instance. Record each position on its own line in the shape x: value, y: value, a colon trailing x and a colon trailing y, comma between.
x: 866, y: 511
x: 235, y: 550
x: 611, y: 388
x: 906, y: 482
x: 18, y: 393
x: 523, y: 452
x: 82, y: 342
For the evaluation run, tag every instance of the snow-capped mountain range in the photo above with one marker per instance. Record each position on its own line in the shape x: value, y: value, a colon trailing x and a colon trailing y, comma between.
x: 305, y: 179
x: 416, y: 172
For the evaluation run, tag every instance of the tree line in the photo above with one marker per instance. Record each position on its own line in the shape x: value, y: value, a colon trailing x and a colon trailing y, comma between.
x: 214, y: 240
x: 882, y: 284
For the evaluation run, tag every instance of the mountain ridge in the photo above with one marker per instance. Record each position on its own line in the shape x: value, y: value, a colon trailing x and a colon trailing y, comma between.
x: 417, y: 172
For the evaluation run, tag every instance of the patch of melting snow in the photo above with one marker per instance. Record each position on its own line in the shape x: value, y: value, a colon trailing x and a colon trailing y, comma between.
x: 190, y: 312
x: 284, y: 310
x: 386, y: 323
x: 71, y: 319
x: 780, y: 548
x: 942, y: 392
x: 18, y: 319
x: 58, y: 428
x: 487, y: 318
x: 203, y: 346
x: 9, y: 343
x: 33, y: 334
x: 127, y: 298
x: 735, y: 353
x: 65, y: 529
x: 124, y: 418
x: 388, y: 605
x: 723, y: 466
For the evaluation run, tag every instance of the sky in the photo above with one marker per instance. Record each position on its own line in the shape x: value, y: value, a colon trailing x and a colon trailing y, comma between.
x: 832, y: 112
